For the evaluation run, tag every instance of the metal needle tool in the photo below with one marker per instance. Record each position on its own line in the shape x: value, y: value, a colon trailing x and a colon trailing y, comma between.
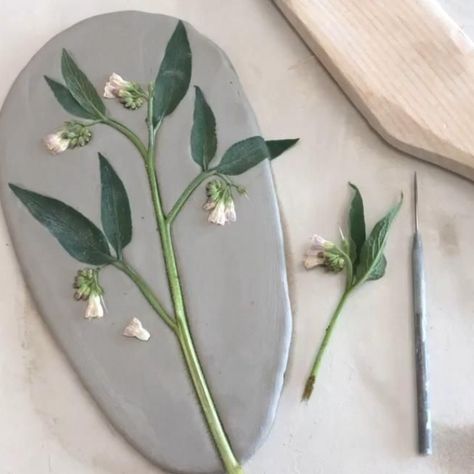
x: 425, y: 446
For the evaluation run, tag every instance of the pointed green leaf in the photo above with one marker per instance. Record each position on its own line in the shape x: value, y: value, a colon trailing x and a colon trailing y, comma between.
x: 203, y: 134
x: 356, y: 223
x: 372, y: 250
x: 243, y: 155
x: 77, y: 234
x: 68, y: 102
x: 277, y: 147
x: 115, y: 208
x: 379, y: 270
x: 80, y: 87
x: 173, y: 78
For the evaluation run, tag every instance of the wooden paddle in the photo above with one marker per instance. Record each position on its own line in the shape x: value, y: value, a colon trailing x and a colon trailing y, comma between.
x: 405, y: 65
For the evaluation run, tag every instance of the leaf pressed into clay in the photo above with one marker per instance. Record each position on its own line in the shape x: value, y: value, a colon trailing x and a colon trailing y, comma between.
x: 172, y: 81
x: 68, y: 102
x: 80, y: 237
x: 243, y: 155
x: 277, y: 147
x: 80, y: 87
x: 203, y: 133
x: 115, y: 207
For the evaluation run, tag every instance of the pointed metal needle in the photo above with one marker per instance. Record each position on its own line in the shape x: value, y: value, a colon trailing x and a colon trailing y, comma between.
x: 415, y: 186
x: 425, y: 445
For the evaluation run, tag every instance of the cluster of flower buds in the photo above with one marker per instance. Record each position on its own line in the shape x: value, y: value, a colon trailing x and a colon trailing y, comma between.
x: 87, y: 288
x: 324, y: 253
x: 220, y: 203
x: 130, y: 94
x: 71, y: 135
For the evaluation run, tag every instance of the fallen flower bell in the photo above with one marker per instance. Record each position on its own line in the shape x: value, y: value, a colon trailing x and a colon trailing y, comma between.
x: 135, y: 329
x: 324, y: 253
x: 87, y: 287
x: 129, y: 93
x: 72, y: 135
x: 220, y: 203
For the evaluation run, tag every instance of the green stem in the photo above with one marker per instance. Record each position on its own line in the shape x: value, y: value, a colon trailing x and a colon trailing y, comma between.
x: 124, y: 130
x: 349, y: 270
x: 322, y: 348
x: 192, y: 360
x: 183, y: 332
x: 193, y: 185
x: 147, y: 292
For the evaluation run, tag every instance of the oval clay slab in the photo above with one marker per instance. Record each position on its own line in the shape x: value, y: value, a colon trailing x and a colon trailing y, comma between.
x: 234, y: 277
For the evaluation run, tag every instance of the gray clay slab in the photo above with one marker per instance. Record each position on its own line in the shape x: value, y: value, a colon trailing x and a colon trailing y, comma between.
x: 234, y: 277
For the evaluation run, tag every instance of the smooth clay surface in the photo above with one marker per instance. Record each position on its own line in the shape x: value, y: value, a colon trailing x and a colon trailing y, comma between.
x: 362, y: 417
x: 234, y: 277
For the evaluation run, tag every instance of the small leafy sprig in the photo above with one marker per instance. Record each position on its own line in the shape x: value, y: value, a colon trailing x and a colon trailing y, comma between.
x: 361, y: 257
x: 100, y: 247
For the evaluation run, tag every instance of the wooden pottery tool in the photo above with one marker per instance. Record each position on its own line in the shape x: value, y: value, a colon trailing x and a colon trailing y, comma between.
x: 405, y: 65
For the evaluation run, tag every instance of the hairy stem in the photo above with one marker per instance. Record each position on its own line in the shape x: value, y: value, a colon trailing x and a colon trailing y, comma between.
x: 124, y: 130
x: 196, y: 373
x: 195, y: 183
x: 183, y: 332
x: 147, y: 292
x: 322, y: 348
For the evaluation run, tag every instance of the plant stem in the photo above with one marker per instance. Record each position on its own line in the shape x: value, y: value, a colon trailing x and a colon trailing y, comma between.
x: 178, y: 205
x: 322, y: 348
x: 124, y: 130
x: 183, y: 332
x: 192, y: 360
x: 146, y: 292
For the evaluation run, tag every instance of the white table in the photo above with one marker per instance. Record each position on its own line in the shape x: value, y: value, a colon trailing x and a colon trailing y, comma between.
x: 362, y: 416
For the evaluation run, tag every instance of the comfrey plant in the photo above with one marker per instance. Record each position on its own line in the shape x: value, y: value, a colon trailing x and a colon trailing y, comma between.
x: 361, y: 257
x: 99, y: 248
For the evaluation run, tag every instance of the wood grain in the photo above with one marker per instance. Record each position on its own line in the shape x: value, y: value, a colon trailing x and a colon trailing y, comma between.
x: 405, y: 65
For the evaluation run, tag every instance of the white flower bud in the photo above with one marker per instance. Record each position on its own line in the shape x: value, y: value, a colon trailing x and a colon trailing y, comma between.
x: 218, y: 214
x: 114, y: 86
x: 135, y: 329
x: 56, y: 143
x: 95, y: 307
x: 230, y: 215
x: 319, y: 244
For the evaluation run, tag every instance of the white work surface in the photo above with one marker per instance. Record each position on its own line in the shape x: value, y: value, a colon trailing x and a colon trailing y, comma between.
x: 362, y: 417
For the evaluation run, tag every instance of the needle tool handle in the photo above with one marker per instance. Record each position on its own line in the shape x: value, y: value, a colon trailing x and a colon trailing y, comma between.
x: 422, y: 382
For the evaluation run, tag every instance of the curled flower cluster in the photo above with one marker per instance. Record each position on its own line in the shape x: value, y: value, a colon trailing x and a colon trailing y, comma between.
x: 220, y: 202
x: 87, y: 288
x: 324, y: 253
x: 71, y: 135
x: 130, y: 94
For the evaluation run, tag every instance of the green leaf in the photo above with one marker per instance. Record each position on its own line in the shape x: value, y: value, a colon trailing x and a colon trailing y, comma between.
x: 173, y: 78
x: 77, y: 234
x: 277, y: 147
x: 243, y: 155
x: 203, y: 134
x: 115, y: 207
x: 356, y: 224
x: 65, y: 98
x: 372, y: 250
x: 80, y: 87
x: 379, y: 270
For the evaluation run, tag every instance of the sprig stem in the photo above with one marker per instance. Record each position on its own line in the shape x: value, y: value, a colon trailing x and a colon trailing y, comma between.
x: 193, y: 185
x: 124, y: 130
x: 147, y: 292
x: 183, y: 332
x: 322, y: 348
